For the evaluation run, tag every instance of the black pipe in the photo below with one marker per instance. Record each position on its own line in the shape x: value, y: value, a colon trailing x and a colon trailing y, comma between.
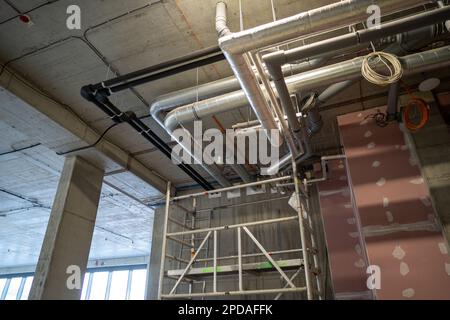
x: 191, y: 61
x: 98, y: 94
x: 101, y: 100
x: 169, y: 72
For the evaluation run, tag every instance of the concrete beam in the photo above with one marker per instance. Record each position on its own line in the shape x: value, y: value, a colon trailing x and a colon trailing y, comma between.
x: 69, y: 232
x: 18, y: 92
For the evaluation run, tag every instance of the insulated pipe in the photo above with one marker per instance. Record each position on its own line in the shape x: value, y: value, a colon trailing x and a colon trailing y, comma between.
x: 447, y: 23
x: 346, y: 70
x: 275, y: 60
x: 284, y: 96
x: 351, y: 69
x: 213, y: 170
x: 333, y: 16
x: 399, y: 26
x: 332, y: 90
x: 221, y: 19
x: 234, y: 45
x: 183, y: 97
x: 410, y: 40
x: 247, y: 78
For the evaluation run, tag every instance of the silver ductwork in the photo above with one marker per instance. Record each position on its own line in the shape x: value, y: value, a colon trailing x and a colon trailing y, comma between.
x: 333, y: 16
x: 328, y: 75
x: 236, y: 45
x: 183, y: 97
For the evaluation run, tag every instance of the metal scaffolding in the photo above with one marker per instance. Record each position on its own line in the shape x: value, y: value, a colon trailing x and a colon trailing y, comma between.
x: 192, y: 269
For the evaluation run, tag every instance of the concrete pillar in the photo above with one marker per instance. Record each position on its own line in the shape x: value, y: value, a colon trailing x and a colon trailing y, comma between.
x: 155, y: 257
x: 69, y: 232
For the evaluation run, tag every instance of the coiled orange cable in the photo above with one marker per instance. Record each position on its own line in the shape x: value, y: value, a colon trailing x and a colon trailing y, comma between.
x: 414, y: 104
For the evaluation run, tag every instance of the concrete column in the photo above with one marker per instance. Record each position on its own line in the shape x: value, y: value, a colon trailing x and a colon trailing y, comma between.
x: 69, y: 232
x: 155, y: 257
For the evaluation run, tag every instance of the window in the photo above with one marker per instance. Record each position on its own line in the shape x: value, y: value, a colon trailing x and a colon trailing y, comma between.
x: 26, y: 288
x: 85, y: 286
x: 13, y: 289
x: 99, y: 285
x: 115, y: 283
x: 137, y: 291
x: 2, y: 286
x: 119, y: 285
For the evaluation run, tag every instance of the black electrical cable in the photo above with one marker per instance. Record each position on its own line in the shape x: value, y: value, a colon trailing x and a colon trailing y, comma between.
x: 381, y: 118
x: 20, y: 149
x: 91, y: 145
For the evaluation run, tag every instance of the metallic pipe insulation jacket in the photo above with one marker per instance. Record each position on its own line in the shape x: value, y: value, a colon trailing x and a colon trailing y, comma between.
x: 221, y: 19
x: 342, y: 71
x: 208, y: 90
x: 205, y: 108
x: 339, y: 14
x: 254, y: 93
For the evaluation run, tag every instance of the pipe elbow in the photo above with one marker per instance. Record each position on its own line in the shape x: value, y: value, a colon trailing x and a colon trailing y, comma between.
x: 221, y: 19
x: 155, y: 109
x: 171, y: 121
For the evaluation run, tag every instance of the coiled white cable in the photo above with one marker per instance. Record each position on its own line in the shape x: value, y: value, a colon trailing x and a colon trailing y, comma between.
x: 391, y: 62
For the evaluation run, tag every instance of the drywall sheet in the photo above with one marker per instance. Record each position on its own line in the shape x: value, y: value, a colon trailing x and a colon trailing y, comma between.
x: 398, y: 222
x: 346, y: 251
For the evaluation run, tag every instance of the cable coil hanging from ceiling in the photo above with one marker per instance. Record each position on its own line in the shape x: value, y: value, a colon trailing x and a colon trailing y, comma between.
x: 391, y: 62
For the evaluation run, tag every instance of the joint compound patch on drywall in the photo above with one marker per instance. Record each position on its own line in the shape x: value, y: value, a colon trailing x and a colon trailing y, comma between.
x: 351, y: 220
x: 378, y: 230
x: 426, y: 201
x: 408, y: 293
x: 345, y: 193
x: 443, y: 248
x: 371, y: 145
x: 417, y: 181
x: 413, y: 161
x: 389, y: 216
x: 368, y: 134
x: 447, y: 268
x: 404, y: 268
x: 341, y: 165
x: 364, y: 122
x: 358, y: 249
x: 376, y: 164
x: 354, y: 234
x: 348, y: 206
x: 398, y: 252
x: 381, y: 182
x: 360, y: 263
x: 385, y: 202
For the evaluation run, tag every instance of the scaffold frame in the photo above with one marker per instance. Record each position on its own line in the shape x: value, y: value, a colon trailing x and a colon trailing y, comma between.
x: 308, y: 263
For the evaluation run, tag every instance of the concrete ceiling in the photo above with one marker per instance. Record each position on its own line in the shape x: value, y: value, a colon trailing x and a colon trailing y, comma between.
x: 28, y: 181
x: 149, y: 35
x: 127, y: 35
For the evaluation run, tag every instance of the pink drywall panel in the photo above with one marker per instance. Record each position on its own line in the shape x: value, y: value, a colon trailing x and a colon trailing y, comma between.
x: 345, y: 250
x: 413, y: 264
x: 389, y: 196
